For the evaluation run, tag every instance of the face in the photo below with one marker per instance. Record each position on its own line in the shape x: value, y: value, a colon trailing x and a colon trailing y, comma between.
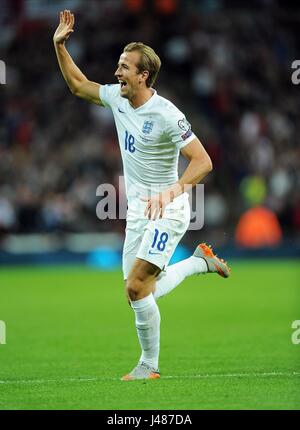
x: 127, y: 73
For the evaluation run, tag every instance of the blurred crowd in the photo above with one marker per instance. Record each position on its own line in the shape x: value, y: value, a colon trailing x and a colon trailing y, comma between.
x: 228, y: 69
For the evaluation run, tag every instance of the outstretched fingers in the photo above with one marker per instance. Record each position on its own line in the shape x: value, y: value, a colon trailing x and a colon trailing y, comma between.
x: 72, y: 20
x: 67, y: 18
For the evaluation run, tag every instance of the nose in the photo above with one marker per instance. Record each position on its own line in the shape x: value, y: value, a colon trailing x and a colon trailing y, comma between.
x: 117, y: 73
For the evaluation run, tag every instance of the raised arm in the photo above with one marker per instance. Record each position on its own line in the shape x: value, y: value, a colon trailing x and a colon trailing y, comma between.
x: 76, y: 80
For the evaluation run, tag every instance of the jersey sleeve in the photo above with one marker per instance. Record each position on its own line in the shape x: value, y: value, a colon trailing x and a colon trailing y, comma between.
x: 109, y: 94
x: 179, y: 129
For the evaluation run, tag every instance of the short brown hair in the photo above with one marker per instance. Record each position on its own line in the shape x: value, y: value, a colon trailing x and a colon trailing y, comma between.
x: 149, y: 60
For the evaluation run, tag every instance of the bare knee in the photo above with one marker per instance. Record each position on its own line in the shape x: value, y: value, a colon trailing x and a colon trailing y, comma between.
x: 141, y: 280
x: 134, y: 288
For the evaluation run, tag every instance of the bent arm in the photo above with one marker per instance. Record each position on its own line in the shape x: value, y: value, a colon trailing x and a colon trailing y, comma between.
x: 199, y: 166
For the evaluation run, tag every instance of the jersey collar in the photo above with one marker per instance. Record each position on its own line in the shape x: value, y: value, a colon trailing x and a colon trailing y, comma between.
x: 147, y: 104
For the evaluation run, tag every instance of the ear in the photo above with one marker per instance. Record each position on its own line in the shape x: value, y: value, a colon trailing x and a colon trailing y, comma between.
x: 144, y: 76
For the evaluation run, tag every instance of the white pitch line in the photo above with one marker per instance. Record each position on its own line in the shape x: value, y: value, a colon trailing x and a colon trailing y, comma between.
x: 203, y: 376
x: 235, y: 375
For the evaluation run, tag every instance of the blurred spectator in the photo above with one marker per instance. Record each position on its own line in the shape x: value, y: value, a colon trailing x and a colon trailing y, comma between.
x: 7, y: 215
x: 258, y: 228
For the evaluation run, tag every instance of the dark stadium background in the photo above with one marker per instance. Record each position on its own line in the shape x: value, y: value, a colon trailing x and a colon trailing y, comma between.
x: 228, y: 66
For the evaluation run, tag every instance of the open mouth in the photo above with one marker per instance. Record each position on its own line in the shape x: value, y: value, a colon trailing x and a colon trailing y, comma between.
x: 123, y: 84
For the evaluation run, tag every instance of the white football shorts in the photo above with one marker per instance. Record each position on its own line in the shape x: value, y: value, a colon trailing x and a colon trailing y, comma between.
x: 155, y: 241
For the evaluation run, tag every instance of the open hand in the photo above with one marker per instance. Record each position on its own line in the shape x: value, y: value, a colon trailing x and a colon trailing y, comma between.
x: 156, y: 205
x: 65, y: 27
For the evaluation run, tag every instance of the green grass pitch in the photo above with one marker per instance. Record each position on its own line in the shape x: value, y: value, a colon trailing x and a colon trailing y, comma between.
x: 225, y: 343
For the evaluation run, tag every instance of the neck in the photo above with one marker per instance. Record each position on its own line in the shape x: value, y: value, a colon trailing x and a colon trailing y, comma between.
x: 141, y: 97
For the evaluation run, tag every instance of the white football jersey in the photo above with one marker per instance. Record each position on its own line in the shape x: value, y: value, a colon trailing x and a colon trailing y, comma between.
x: 150, y: 139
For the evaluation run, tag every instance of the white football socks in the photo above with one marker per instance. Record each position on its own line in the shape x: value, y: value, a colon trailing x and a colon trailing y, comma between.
x: 147, y: 321
x: 147, y: 316
x: 175, y: 274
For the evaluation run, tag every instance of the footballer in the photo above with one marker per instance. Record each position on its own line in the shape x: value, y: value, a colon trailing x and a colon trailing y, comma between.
x: 152, y: 132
